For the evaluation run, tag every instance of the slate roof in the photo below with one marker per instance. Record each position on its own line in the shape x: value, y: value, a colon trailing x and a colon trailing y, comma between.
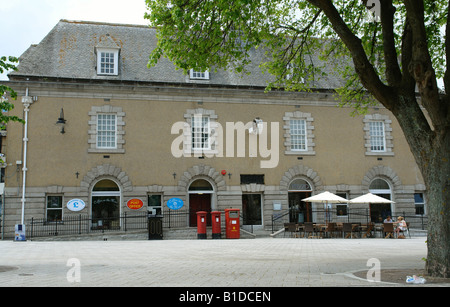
x: 69, y: 51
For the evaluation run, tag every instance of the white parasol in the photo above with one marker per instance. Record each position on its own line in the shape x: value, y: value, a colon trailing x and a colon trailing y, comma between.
x: 326, y: 197
x: 370, y: 198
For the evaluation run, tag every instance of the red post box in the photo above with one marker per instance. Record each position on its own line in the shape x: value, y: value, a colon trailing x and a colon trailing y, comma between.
x: 201, y: 224
x: 232, y: 224
x: 215, y: 222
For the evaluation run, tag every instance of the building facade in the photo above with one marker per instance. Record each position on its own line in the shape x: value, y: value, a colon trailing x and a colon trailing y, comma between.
x: 213, y: 139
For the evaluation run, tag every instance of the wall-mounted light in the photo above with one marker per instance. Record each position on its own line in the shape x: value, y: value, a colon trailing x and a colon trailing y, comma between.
x: 257, y: 126
x: 61, y: 121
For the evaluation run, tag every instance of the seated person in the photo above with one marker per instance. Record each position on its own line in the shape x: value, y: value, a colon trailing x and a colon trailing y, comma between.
x: 401, y: 225
x: 388, y: 219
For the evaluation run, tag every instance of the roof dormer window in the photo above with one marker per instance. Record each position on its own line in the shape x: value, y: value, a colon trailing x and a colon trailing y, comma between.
x: 108, y: 62
x: 199, y: 75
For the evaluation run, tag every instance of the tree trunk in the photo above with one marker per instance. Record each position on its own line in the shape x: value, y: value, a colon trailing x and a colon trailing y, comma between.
x: 429, y: 143
x: 430, y: 147
x: 438, y: 204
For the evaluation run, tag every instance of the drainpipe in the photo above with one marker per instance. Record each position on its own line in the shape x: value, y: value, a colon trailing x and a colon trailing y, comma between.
x: 3, y: 211
x: 27, y: 101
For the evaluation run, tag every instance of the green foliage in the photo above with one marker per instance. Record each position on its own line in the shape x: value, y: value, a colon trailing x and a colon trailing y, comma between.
x: 5, y: 91
x: 5, y: 65
x: 300, y: 45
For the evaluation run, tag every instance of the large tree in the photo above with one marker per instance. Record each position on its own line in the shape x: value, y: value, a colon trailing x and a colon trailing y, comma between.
x: 390, y: 52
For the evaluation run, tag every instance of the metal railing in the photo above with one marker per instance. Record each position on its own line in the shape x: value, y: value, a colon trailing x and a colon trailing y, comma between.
x: 184, y: 218
x: 85, y: 224
x: 180, y: 218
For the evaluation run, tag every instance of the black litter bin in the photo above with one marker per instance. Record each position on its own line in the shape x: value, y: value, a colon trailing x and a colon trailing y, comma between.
x: 155, y: 230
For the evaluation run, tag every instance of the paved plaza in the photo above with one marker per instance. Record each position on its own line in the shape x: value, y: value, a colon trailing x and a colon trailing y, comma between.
x: 264, y: 262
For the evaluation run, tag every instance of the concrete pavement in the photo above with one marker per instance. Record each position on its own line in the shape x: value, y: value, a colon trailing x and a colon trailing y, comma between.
x: 264, y: 262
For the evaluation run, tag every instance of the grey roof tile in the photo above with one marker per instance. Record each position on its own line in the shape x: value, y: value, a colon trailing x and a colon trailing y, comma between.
x: 69, y: 51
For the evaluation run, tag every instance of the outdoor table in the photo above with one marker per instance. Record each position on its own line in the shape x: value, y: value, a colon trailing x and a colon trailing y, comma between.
x: 320, y: 227
x: 355, y: 228
x: 379, y: 227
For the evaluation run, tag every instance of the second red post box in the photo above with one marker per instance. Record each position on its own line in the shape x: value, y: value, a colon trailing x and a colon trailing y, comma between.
x: 216, y: 226
x: 232, y: 224
x: 201, y: 224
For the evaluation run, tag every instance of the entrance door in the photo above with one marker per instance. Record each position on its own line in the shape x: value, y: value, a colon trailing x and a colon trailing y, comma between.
x: 299, y: 211
x: 105, y: 212
x: 105, y: 205
x: 251, y: 209
x: 379, y: 212
x: 199, y: 202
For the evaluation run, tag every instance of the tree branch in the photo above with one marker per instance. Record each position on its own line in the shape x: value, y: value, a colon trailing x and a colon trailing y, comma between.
x: 408, y: 81
x: 393, y: 73
x: 363, y: 67
x: 421, y: 65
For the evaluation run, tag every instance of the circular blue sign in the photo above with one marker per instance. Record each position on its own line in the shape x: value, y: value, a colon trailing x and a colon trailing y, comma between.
x: 175, y: 203
x: 76, y: 205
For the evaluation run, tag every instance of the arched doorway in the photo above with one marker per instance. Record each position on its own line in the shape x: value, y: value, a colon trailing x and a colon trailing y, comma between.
x: 378, y: 212
x: 105, y: 200
x: 299, y: 211
x: 200, y: 194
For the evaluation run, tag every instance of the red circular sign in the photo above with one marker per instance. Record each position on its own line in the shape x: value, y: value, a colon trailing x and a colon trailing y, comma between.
x: 135, y: 204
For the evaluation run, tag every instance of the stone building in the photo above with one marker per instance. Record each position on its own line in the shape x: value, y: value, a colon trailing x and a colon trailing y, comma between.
x: 213, y: 139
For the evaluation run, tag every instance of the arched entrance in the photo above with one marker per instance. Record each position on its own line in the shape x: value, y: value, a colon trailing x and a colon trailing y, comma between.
x: 378, y: 212
x: 105, y: 200
x: 200, y: 194
x: 299, y: 211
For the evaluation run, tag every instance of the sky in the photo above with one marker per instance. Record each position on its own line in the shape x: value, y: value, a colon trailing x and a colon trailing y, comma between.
x: 27, y: 22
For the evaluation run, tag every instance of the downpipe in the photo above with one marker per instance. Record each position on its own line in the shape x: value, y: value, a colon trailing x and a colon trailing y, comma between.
x: 26, y: 101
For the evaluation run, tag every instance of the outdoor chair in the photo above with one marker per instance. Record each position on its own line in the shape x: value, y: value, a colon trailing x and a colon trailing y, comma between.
x: 406, y: 230
x: 309, y: 228
x: 388, y: 229
x: 291, y: 228
x: 370, y: 228
x: 356, y: 228
x: 347, y: 228
x: 331, y: 228
x: 300, y: 229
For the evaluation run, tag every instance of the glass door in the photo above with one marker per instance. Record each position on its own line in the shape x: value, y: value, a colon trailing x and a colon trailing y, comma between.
x: 299, y: 211
x: 105, y: 205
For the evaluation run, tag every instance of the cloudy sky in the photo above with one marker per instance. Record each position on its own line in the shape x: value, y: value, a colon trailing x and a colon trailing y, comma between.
x: 26, y: 22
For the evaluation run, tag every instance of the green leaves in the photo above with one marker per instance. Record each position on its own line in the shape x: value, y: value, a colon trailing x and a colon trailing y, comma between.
x: 202, y: 34
x: 7, y: 63
x: 4, y: 65
x: 300, y: 45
